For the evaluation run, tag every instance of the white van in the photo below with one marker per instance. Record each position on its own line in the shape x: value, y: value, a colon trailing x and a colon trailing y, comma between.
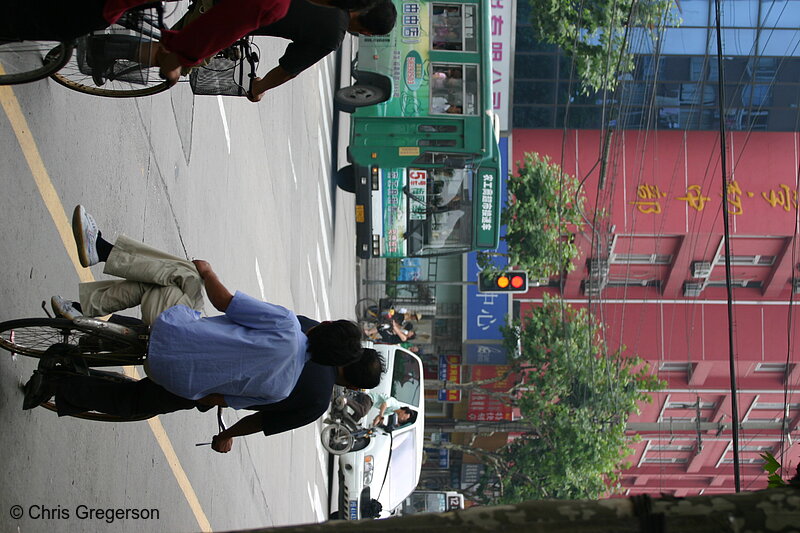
x: 387, y: 469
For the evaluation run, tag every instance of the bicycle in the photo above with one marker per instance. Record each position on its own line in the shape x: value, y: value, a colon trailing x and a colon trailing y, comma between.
x: 25, y: 61
x: 67, y: 64
x: 28, y: 61
x: 89, y: 344
x: 343, y: 433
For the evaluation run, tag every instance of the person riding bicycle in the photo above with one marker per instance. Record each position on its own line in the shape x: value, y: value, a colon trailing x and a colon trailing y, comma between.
x: 254, y: 354
x: 316, y: 31
x: 222, y: 25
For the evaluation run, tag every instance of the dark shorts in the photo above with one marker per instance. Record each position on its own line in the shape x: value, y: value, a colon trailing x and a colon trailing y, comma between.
x: 58, y: 20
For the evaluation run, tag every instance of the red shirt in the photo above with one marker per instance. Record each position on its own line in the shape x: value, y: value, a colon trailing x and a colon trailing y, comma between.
x: 218, y: 28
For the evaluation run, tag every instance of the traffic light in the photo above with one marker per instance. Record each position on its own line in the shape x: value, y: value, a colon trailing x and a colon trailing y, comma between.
x: 511, y: 281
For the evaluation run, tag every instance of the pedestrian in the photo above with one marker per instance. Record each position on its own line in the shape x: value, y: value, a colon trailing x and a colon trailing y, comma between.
x: 252, y: 355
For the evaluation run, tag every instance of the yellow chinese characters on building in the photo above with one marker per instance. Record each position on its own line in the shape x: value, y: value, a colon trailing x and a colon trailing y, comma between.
x: 694, y: 197
x: 784, y: 197
x: 648, y: 199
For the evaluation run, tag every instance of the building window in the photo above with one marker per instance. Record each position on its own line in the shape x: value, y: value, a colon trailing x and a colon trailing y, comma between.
x: 633, y: 283
x: 775, y: 406
x: 668, y: 418
x: 754, y: 260
x: 674, y: 367
x: 744, y: 461
x: 744, y: 283
x: 691, y: 405
x: 671, y: 447
x: 771, y: 367
x: 666, y: 460
x: 642, y: 259
x: 756, y: 448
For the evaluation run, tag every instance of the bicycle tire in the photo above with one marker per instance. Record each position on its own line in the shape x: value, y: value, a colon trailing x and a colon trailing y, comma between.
x: 42, y: 60
x: 97, y: 416
x: 363, y: 310
x: 337, y: 439
x: 32, y: 336
x: 72, y: 78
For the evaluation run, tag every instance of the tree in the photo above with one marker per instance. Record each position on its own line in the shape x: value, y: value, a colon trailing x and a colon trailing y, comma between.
x: 545, y: 205
x: 773, y: 510
x: 575, y: 397
x: 594, y: 33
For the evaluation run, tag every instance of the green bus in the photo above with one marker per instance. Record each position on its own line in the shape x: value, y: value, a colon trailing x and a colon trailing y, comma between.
x: 423, y: 154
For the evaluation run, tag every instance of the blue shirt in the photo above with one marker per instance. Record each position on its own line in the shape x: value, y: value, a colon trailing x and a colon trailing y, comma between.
x: 253, y: 354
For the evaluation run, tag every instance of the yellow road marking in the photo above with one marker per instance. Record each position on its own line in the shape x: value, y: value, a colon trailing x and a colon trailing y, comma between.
x: 51, y: 200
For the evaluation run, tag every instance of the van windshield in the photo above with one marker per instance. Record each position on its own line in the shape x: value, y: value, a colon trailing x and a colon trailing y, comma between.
x: 406, y: 382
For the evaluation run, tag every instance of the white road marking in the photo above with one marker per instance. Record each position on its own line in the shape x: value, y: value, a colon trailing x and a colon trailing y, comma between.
x: 324, y: 230
x: 325, y: 178
x: 323, y: 286
x: 313, y: 290
x: 316, y: 502
x: 325, y: 101
x: 260, y: 280
x: 291, y: 162
x: 224, y: 123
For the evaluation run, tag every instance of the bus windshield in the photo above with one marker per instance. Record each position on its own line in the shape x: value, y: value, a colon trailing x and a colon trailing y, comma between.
x: 425, y: 502
x: 440, y: 211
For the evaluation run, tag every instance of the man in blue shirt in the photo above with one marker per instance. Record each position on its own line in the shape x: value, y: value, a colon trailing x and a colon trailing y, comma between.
x: 252, y: 355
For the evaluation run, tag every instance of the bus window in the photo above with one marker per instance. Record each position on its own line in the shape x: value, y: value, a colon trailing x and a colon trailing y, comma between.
x: 442, y: 213
x: 453, y: 27
x: 436, y: 128
x: 454, y: 89
x: 436, y: 142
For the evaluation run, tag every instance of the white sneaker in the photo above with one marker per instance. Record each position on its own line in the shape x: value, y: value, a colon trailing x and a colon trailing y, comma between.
x: 84, y: 228
x: 64, y: 308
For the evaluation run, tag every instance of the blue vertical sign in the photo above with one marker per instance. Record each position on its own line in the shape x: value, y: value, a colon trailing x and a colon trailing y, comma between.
x: 484, y: 313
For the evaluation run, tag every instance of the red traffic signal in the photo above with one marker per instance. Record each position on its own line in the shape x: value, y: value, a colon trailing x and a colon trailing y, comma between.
x: 511, y: 281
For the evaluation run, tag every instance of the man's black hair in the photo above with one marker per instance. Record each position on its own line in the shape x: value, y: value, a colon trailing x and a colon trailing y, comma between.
x: 336, y: 343
x: 379, y: 19
x: 366, y: 372
x: 412, y: 415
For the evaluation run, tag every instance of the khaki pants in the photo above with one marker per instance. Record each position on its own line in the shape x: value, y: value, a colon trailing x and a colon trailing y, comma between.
x: 151, y: 278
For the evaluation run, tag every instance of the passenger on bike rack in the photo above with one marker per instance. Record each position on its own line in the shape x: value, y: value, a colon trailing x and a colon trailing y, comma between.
x: 361, y: 403
x: 254, y: 354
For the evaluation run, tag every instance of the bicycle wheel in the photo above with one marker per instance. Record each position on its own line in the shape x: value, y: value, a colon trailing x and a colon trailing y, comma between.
x: 337, y: 439
x: 73, y: 76
x: 32, y: 336
x: 95, y: 415
x: 367, y: 310
x: 27, y: 61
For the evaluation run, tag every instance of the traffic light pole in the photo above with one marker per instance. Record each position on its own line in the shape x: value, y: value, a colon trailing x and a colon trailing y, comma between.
x: 418, y: 282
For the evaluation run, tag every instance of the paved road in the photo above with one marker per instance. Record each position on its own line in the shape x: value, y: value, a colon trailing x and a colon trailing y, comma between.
x: 244, y: 186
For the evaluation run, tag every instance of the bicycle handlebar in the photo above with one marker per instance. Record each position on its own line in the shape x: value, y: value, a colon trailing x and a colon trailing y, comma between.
x: 220, y: 424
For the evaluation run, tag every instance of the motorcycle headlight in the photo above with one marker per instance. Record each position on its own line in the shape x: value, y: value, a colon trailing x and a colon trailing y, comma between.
x: 369, y: 468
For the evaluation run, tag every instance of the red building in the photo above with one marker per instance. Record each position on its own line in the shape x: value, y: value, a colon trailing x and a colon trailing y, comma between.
x: 652, y: 268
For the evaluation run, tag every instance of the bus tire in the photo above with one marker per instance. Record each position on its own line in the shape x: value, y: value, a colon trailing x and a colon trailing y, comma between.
x: 346, y: 179
x: 348, y: 99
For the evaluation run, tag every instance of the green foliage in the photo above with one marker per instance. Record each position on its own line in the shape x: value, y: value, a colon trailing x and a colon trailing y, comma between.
x: 578, y: 399
x: 545, y: 206
x: 771, y: 465
x: 593, y: 33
